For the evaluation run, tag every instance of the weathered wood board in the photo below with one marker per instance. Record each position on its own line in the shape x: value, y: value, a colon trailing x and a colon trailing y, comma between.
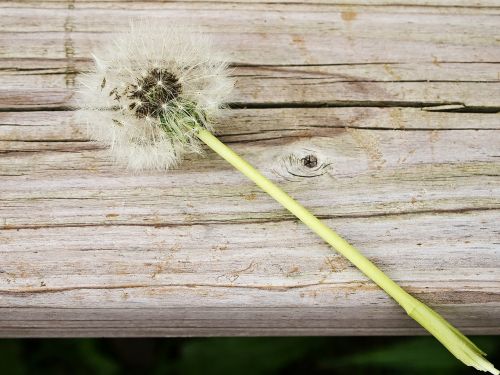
x: 382, y: 117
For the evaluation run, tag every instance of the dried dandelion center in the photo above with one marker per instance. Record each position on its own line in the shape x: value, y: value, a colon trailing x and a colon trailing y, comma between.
x: 153, y: 92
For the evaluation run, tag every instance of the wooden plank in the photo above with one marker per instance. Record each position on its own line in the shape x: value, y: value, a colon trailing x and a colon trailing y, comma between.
x: 278, y: 36
x: 245, y: 124
x: 347, y: 161
x: 380, y: 116
x: 225, y: 321
x: 222, y: 255
x: 360, y: 62
x: 167, y: 269
x: 132, y: 4
x: 373, y: 85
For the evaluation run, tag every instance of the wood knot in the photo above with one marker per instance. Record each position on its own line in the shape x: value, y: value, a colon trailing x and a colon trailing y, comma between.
x: 310, y: 161
x: 303, y: 163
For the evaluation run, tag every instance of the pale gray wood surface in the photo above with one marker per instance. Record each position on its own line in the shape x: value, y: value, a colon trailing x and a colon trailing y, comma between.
x: 396, y: 102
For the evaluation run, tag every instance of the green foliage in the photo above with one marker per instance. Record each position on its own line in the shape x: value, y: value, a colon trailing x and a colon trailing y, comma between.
x: 55, y: 357
x: 242, y: 356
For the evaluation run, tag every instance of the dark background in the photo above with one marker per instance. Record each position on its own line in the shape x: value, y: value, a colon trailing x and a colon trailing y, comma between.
x: 280, y: 355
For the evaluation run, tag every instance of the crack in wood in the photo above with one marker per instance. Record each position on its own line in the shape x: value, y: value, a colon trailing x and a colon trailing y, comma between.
x: 426, y: 106
x: 278, y: 288
x: 263, y: 220
x: 368, y: 104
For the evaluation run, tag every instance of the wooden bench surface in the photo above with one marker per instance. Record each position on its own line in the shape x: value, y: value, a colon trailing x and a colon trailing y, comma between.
x: 381, y: 117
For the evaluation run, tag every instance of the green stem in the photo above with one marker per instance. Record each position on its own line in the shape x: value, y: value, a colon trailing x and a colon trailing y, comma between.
x: 458, y: 344
x: 317, y: 226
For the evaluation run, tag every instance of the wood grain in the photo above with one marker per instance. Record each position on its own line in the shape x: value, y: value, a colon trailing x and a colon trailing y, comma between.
x: 396, y: 103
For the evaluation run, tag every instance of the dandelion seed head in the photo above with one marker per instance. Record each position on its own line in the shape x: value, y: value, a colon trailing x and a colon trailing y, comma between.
x: 151, y: 89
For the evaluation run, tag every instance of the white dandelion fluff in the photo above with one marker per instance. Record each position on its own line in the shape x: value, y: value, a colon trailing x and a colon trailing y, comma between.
x: 152, y: 87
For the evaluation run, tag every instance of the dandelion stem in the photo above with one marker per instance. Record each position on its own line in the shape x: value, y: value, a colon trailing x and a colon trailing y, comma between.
x: 448, y: 335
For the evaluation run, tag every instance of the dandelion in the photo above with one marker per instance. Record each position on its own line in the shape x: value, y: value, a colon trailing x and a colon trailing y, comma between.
x: 150, y: 92
x: 156, y: 94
